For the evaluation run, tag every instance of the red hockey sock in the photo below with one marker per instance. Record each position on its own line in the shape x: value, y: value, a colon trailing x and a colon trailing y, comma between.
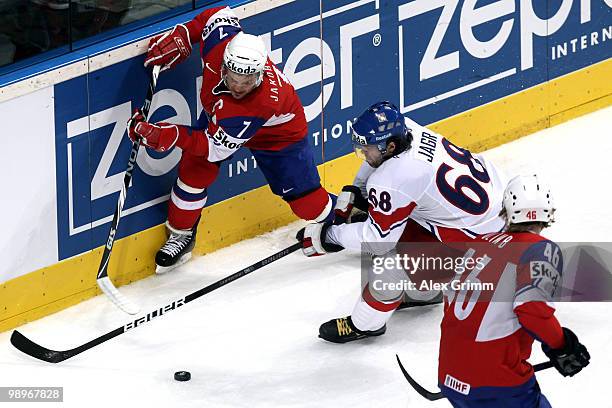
x: 314, y: 206
x: 377, y: 304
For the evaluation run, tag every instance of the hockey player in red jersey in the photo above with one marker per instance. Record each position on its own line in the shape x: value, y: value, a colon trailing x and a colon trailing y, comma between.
x: 486, y: 338
x: 247, y: 102
x: 414, y: 186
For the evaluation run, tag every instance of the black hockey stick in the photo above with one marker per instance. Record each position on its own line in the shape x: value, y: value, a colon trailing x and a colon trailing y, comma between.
x: 434, y: 396
x: 27, y: 346
x: 103, y: 280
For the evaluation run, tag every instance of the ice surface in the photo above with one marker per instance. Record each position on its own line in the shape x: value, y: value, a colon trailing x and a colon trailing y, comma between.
x: 253, y: 343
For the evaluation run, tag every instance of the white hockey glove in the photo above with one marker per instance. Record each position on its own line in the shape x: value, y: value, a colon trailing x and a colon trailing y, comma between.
x: 313, y: 242
x: 351, y: 206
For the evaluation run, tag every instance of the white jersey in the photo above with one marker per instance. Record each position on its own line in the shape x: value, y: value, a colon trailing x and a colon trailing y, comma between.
x: 435, y: 183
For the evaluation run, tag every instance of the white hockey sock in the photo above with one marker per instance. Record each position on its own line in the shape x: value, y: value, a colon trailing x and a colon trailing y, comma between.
x: 366, y: 318
x: 421, y: 295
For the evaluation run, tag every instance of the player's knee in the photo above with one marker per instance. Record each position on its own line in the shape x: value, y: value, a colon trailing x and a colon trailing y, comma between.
x: 315, y: 206
x: 197, y: 172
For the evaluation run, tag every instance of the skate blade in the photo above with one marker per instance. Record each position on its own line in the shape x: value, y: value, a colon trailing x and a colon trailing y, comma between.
x: 160, y: 270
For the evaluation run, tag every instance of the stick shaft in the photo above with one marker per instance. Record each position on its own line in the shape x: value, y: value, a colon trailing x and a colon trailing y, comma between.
x: 27, y: 346
x: 127, y: 179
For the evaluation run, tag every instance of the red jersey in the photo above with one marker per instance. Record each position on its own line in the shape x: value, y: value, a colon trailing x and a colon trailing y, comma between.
x: 270, y: 117
x: 487, y: 333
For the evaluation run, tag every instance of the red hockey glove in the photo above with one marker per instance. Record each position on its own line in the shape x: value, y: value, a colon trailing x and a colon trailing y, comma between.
x: 350, y: 206
x: 313, y: 240
x: 169, y: 49
x: 160, y: 137
x: 136, y: 118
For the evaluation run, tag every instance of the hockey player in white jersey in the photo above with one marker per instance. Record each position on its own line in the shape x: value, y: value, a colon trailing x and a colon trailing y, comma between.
x: 415, y: 186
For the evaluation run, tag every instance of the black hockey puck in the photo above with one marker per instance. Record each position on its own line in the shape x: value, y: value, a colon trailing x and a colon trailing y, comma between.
x: 182, y: 376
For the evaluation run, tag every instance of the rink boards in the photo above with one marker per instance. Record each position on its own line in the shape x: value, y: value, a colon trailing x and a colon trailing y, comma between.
x: 481, y: 75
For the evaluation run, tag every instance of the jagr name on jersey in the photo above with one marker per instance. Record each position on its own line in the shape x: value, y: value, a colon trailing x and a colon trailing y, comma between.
x: 427, y: 147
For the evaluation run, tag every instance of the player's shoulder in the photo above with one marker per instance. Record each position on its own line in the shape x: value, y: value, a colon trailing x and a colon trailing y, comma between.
x: 533, y: 249
x: 275, y: 88
x: 218, y: 26
x: 541, y: 266
x: 499, y: 239
x: 405, y: 166
x: 401, y: 172
x: 539, y: 247
x: 420, y: 134
x: 527, y: 237
x: 425, y: 143
x: 411, y: 124
x: 529, y: 241
x: 216, y: 17
x: 213, y: 58
x: 267, y: 99
x: 520, y: 247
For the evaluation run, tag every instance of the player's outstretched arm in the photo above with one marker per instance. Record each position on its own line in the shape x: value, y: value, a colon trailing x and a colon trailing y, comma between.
x: 210, y: 20
x: 164, y: 136
x: 533, y: 307
x: 173, y: 47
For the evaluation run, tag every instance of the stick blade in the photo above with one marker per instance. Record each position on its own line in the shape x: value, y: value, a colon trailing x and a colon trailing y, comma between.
x: 432, y: 396
x: 116, y: 297
x: 27, y: 346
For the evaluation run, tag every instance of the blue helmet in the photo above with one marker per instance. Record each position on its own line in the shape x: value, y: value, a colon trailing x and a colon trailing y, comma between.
x: 379, y: 123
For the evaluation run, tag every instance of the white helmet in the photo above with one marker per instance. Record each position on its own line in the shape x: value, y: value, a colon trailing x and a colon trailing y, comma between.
x: 246, y: 54
x: 528, y: 199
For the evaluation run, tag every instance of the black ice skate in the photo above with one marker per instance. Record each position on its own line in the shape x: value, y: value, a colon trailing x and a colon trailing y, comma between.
x: 342, y: 330
x: 408, y: 303
x: 177, y: 249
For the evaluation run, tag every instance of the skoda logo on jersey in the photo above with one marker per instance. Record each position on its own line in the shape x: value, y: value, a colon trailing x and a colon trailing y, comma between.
x: 220, y: 21
x: 221, y: 139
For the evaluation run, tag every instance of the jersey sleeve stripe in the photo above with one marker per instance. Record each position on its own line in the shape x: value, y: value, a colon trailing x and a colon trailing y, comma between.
x: 218, y: 36
x: 384, y: 223
x: 222, y: 17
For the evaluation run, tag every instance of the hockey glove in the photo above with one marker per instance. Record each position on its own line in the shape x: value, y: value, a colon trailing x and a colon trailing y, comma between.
x: 313, y: 242
x: 351, y: 206
x: 570, y: 359
x: 169, y: 49
x: 160, y: 137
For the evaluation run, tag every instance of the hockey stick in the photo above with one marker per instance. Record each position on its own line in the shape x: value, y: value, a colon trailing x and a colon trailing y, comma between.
x: 102, y: 279
x: 27, y: 346
x: 434, y: 396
